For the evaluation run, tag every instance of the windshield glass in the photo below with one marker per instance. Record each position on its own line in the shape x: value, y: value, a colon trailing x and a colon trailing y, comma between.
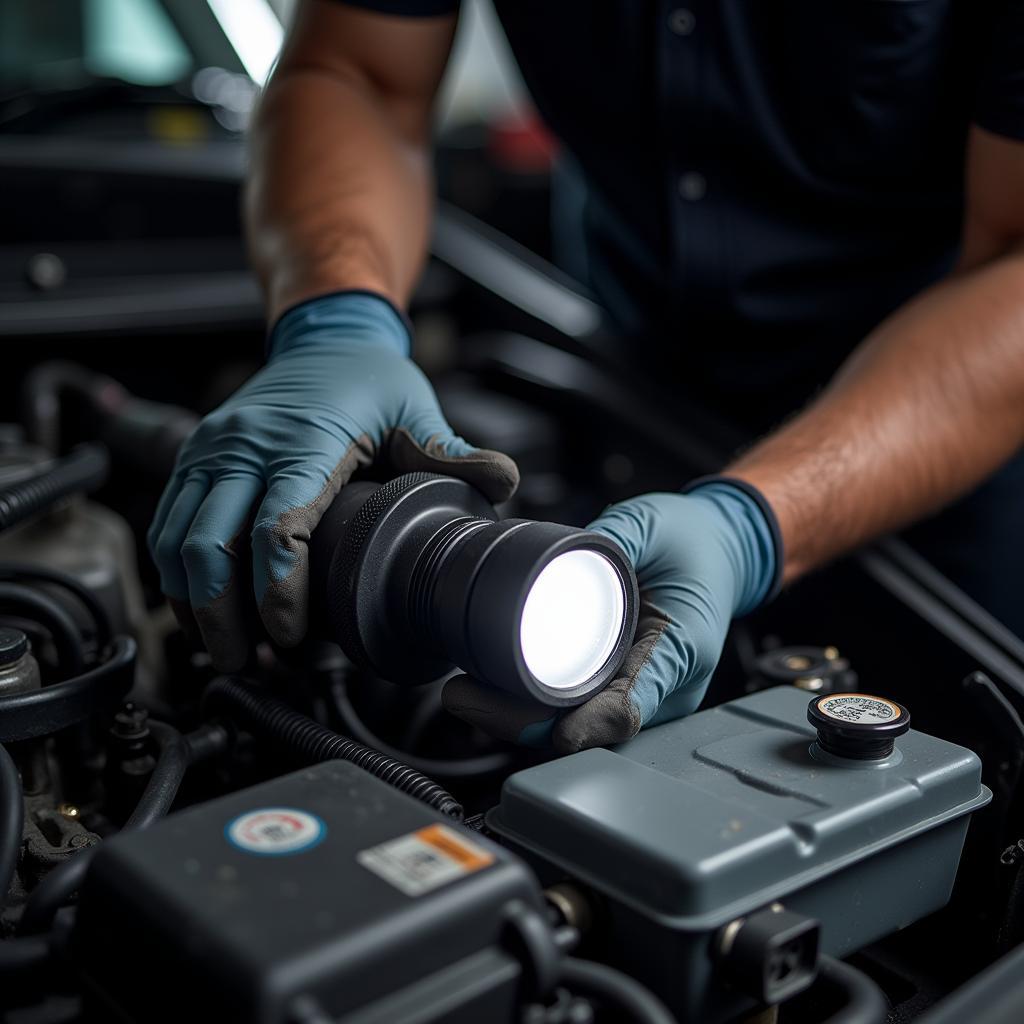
x: 50, y: 44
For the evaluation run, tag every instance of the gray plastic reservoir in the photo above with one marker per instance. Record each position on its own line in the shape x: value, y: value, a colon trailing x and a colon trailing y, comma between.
x: 701, y: 821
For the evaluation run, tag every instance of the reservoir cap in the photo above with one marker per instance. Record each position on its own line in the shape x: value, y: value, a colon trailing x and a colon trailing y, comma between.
x: 13, y: 646
x: 857, y: 725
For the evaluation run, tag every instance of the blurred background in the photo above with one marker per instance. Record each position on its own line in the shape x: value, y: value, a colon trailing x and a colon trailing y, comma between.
x: 121, y: 126
x: 122, y: 129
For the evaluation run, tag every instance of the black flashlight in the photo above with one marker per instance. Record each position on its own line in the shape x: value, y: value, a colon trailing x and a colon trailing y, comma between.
x: 418, y: 575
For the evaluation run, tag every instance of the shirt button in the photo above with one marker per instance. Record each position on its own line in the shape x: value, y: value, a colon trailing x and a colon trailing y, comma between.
x: 692, y: 186
x: 682, y: 21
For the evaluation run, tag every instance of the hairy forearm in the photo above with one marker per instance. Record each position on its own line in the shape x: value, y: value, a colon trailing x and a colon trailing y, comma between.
x: 927, y: 407
x: 338, y: 196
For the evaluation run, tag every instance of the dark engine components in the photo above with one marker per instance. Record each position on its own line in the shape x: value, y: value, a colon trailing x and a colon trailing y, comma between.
x: 323, y: 889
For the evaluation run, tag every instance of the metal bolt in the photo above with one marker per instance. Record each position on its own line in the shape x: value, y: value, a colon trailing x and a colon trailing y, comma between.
x: 45, y: 271
x: 69, y: 811
x: 693, y: 186
x: 728, y: 934
x: 682, y: 21
x: 571, y: 904
x: 797, y: 662
x: 810, y: 683
x: 832, y: 653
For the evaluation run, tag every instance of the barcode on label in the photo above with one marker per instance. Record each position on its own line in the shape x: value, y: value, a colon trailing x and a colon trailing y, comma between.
x: 422, y: 861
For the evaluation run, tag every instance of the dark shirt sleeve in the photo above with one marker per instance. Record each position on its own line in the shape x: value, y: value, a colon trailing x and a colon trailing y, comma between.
x: 409, y: 8
x: 1000, y: 103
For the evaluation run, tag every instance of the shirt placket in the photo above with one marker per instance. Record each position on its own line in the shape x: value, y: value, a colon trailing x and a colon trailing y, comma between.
x: 684, y: 52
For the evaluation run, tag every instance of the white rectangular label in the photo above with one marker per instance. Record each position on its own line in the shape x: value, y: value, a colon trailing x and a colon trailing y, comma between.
x: 424, y: 860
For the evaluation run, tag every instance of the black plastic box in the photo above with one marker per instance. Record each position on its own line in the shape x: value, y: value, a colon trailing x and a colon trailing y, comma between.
x: 326, y: 886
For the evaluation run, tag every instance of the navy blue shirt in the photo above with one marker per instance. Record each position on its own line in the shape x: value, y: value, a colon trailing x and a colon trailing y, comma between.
x: 765, y: 180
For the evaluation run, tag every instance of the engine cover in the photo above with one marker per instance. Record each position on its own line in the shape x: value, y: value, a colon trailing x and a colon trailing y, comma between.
x: 325, y: 894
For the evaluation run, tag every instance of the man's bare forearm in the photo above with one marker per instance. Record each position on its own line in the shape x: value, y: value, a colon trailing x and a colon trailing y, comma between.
x: 928, y: 406
x: 337, y: 198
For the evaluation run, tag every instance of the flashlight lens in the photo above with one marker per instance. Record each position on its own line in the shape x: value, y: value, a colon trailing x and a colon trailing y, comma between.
x: 572, y: 618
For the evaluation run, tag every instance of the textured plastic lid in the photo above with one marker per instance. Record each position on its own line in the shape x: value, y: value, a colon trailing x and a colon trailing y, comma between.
x: 13, y: 645
x: 720, y: 808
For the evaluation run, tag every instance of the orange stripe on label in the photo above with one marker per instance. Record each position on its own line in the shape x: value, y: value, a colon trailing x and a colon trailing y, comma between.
x: 469, y: 856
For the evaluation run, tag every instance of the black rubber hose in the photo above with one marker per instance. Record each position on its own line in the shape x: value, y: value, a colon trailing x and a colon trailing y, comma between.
x: 43, y: 393
x: 454, y: 768
x: 165, y: 781
x: 17, y: 572
x: 23, y: 955
x: 144, y: 435
x: 177, y: 753
x: 309, y: 742
x: 24, y: 716
x: 54, y: 891
x: 622, y: 993
x: 12, y: 817
x: 83, y: 470
x: 865, y: 1001
x: 33, y: 604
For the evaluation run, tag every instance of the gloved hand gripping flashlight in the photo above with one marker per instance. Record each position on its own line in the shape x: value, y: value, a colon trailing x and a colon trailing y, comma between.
x: 417, y: 576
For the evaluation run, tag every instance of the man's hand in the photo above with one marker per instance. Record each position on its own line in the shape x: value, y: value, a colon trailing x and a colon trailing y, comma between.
x: 337, y: 392
x: 701, y: 558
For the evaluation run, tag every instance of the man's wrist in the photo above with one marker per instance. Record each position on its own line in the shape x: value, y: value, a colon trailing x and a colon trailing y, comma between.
x: 751, y: 514
x: 355, y: 313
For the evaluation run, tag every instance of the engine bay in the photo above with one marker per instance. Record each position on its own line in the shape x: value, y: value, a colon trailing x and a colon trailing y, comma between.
x: 834, y: 832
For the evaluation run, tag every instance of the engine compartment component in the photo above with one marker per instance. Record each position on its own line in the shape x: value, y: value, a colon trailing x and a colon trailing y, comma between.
x: 325, y: 888
x: 856, y: 726
x: 19, y: 671
x: 719, y: 864
x: 815, y: 669
x: 697, y: 823
x: 419, y: 574
x: 306, y: 741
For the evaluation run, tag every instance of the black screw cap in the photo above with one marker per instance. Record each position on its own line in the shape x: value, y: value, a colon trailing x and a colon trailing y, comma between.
x: 13, y: 646
x: 857, y: 725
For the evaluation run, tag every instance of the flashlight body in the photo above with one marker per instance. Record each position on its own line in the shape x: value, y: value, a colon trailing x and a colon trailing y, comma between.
x: 418, y: 576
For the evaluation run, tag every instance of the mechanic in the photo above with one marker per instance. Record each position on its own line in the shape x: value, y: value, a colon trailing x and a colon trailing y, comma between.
x: 770, y: 195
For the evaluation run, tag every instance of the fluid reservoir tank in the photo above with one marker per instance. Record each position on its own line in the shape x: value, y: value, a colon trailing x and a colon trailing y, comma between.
x: 694, y: 826
x: 78, y: 537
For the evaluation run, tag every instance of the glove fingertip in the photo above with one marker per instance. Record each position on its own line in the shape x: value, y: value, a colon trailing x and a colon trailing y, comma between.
x: 283, y: 610
x: 497, y: 713
x: 228, y: 648
x: 493, y: 473
x: 223, y: 629
x: 228, y: 653
x: 539, y: 734
x: 607, y: 718
x: 186, y: 620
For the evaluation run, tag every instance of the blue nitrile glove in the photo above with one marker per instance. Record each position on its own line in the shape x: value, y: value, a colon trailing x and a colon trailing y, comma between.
x: 701, y: 558
x: 338, y: 391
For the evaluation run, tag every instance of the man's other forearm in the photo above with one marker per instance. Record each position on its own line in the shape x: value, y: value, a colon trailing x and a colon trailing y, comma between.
x: 928, y: 406
x: 338, y: 197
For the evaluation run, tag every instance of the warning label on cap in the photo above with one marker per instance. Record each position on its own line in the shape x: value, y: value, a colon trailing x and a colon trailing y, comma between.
x: 858, y: 707
x: 424, y: 860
